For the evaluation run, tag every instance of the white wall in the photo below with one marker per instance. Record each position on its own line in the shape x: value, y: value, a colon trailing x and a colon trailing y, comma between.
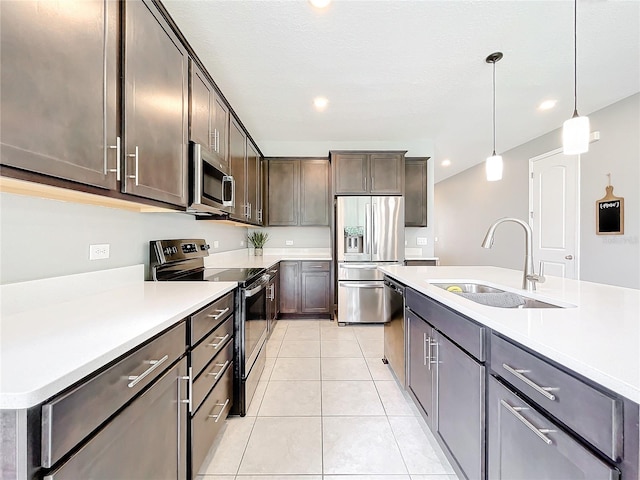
x: 466, y: 204
x: 42, y: 238
x: 302, y: 237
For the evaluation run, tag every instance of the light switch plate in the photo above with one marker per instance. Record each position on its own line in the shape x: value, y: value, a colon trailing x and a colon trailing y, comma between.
x: 421, y: 240
x: 216, y: 244
x: 289, y: 242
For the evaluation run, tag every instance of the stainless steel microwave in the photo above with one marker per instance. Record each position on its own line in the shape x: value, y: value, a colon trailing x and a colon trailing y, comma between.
x: 211, y: 190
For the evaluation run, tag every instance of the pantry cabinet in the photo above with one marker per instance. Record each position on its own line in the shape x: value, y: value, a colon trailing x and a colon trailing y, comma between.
x: 368, y: 173
x: 59, y: 79
x: 156, y: 109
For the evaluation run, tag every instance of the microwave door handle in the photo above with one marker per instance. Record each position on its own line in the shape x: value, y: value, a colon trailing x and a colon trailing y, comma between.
x: 230, y: 202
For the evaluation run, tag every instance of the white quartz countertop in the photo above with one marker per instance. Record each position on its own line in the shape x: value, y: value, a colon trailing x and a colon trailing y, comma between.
x: 47, y: 347
x: 599, y: 337
x: 245, y: 258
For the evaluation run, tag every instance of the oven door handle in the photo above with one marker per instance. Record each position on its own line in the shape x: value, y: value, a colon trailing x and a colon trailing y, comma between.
x: 253, y: 291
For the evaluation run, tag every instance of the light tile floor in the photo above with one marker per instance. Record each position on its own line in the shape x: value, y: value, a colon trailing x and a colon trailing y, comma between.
x: 327, y: 408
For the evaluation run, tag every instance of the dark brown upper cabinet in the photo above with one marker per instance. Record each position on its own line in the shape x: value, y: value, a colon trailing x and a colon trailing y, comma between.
x: 298, y: 192
x: 415, y: 196
x: 238, y: 163
x: 253, y: 184
x: 209, y: 117
x: 59, y: 81
x: 368, y: 173
x: 156, y: 108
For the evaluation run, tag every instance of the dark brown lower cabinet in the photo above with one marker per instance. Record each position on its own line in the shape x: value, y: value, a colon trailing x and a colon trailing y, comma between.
x: 305, y: 288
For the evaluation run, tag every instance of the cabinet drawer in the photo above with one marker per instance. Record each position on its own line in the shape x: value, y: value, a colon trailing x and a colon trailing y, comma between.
x: 208, y: 421
x: 211, y: 345
x: 211, y: 374
x: 463, y: 331
x: 592, y: 414
x: 213, y: 314
x: 524, y: 443
x: 68, y: 419
x: 315, y: 266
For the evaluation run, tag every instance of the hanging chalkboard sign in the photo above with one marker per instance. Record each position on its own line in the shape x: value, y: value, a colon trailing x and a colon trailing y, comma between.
x: 610, y: 214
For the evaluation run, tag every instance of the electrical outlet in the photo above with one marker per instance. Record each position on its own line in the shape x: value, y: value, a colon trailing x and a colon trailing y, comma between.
x: 289, y: 242
x: 242, y: 243
x: 421, y: 240
x: 99, y: 252
x: 216, y: 244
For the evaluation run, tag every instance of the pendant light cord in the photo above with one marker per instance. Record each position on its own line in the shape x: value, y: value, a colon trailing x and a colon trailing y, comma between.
x: 494, y: 108
x: 575, y: 58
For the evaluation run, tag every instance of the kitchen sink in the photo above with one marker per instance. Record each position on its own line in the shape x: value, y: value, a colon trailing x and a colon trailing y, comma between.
x: 492, y: 296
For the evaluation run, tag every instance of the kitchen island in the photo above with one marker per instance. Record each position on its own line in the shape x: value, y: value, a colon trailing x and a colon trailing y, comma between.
x: 487, y: 378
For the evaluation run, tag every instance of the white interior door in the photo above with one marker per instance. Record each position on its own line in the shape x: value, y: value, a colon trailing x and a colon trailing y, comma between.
x: 554, y: 211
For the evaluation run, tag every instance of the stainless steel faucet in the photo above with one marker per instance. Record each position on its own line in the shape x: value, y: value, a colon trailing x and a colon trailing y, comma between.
x: 529, y: 277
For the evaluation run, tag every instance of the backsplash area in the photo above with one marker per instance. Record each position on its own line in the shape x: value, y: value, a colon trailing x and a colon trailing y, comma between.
x: 43, y: 238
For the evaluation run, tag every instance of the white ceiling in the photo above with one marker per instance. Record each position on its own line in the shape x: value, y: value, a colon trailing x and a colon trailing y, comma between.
x: 411, y: 74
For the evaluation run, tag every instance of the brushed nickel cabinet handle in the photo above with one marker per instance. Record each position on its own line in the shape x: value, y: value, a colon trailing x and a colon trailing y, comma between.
x: 518, y: 373
x: 222, y: 312
x: 222, y: 340
x: 135, y: 379
x: 224, y: 406
x: 135, y: 173
x: 217, y: 374
x: 117, y: 169
x: 540, y: 432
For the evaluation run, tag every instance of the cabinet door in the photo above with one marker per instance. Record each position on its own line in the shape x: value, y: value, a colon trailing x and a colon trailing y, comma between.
x: 351, y: 172
x: 421, y: 368
x: 459, y: 420
x: 415, y: 193
x: 237, y: 158
x: 200, y: 103
x: 289, y: 287
x: 314, y: 192
x: 526, y: 445
x: 156, y: 73
x: 283, y: 192
x: 387, y: 173
x: 220, y: 127
x: 315, y: 290
x: 58, y: 95
x: 253, y: 182
x: 148, y: 439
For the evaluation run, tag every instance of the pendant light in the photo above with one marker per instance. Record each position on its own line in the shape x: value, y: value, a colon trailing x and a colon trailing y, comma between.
x: 575, y: 131
x: 493, y: 166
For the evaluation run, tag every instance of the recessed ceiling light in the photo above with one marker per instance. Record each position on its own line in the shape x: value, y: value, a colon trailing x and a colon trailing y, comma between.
x: 320, y: 103
x: 319, y: 3
x: 547, y: 104
x: 446, y: 162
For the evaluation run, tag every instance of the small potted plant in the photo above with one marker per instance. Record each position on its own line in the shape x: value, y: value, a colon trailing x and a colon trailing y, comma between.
x: 258, y: 239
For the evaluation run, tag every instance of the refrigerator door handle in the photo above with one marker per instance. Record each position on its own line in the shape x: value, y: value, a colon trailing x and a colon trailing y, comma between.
x: 374, y: 234
x: 367, y: 227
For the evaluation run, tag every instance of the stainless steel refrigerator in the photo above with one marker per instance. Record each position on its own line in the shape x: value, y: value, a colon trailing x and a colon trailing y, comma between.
x: 369, y: 232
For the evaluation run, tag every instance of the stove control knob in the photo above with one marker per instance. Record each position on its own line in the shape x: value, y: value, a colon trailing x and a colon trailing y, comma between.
x: 167, y: 250
x: 174, y: 249
x: 205, y: 247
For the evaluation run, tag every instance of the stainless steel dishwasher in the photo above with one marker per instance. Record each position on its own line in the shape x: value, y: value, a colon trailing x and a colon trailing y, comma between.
x: 394, y: 329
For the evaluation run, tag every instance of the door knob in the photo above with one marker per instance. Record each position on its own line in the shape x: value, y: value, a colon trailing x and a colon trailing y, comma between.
x: 569, y: 257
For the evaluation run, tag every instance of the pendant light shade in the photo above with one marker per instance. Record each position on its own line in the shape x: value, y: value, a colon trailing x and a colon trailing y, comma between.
x: 575, y: 131
x: 493, y: 165
x: 575, y: 136
x: 493, y: 168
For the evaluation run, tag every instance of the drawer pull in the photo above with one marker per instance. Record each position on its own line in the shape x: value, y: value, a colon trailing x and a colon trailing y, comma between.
x: 222, y: 366
x: 154, y: 364
x: 540, y: 432
x: 224, y: 406
x: 519, y: 374
x: 222, y: 340
x: 220, y: 313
